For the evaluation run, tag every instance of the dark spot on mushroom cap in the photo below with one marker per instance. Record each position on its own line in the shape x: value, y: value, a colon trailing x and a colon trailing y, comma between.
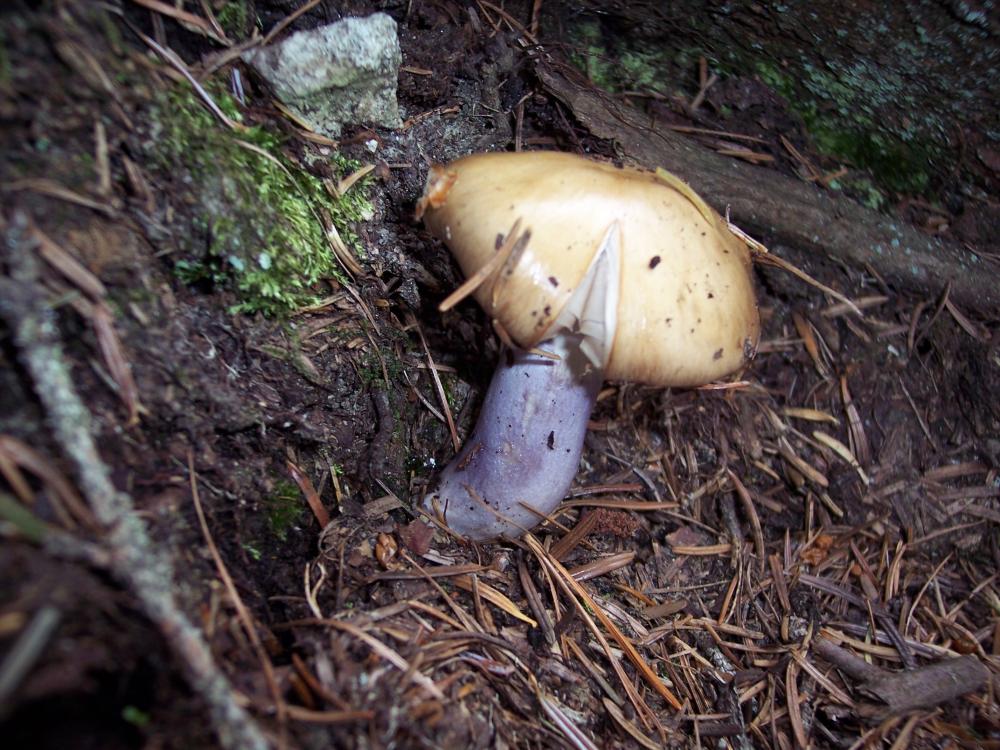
x: 548, y: 310
x: 654, y: 261
x: 552, y: 440
x: 553, y: 281
x: 667, y: 321
x: 711, y: 296
x: 717, y: 355
x: 498, y: 242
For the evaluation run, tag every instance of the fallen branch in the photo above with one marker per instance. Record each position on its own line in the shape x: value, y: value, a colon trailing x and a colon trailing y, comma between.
x: 784, y: 210
x: 899, y: 692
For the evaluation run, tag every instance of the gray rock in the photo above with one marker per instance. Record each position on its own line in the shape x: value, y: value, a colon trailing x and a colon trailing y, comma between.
x: 336, y: 75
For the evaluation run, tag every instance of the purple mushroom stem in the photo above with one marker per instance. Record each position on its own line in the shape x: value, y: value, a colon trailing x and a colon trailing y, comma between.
x: 521, y: 458
x: 525, y: 449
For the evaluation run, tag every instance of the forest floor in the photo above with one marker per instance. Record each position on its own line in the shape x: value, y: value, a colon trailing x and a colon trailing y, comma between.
x: 749, y: 552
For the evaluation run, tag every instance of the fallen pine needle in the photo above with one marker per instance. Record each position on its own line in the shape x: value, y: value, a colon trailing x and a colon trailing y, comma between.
x: 637, y: 505
x: 503, y: 253
x: 651, y: 678
x: 113, y: 353
x: 312, y: 497
x: 574, y: 735
x: 297, y: 713
x: 55, y: 190
x: 389, y: 655
x: 841, y: 450
x: 494, y: 597
x: 242, y: 612
x: 810, y: 415
x: 702, y: 551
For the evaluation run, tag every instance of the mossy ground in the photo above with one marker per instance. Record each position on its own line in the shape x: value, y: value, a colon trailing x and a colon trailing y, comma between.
x: 256, y: 216
x: 283, y: 508
x: 236, y: 17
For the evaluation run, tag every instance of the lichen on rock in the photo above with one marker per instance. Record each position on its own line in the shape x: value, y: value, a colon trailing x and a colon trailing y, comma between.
x: 335, y: 75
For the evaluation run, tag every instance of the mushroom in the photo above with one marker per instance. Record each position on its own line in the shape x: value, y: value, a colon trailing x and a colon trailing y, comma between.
x: 620, y: 273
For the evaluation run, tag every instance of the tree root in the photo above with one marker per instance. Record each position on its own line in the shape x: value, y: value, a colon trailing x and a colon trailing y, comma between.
x: 785, y: 210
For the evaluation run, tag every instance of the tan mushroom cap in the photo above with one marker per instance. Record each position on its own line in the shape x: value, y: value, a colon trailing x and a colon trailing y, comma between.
x: 687, y: 314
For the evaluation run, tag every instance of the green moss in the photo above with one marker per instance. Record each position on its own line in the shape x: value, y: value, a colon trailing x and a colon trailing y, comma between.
x: 136, y: 716
x: 448, y: 382
x: 617, y: 63
x: 857, y: 109
x: 235, y: 18
x: 255, y: 214
x: 590, y: 54
x: 841, y: 114
x: 370, y: 369
x: 284, y: 507
x: 863, y: 189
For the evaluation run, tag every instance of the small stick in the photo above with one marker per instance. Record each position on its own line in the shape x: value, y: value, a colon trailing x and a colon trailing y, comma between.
x: 751, y: 511
x: 900, y: 692
x: 284, y: 22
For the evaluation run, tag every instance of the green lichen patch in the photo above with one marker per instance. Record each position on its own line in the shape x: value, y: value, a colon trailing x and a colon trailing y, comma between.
x: 619, y: 62
x: 842, y: 116
x: 254, y: 216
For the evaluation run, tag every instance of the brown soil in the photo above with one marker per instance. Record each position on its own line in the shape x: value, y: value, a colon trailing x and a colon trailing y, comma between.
x: 756, y: 538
